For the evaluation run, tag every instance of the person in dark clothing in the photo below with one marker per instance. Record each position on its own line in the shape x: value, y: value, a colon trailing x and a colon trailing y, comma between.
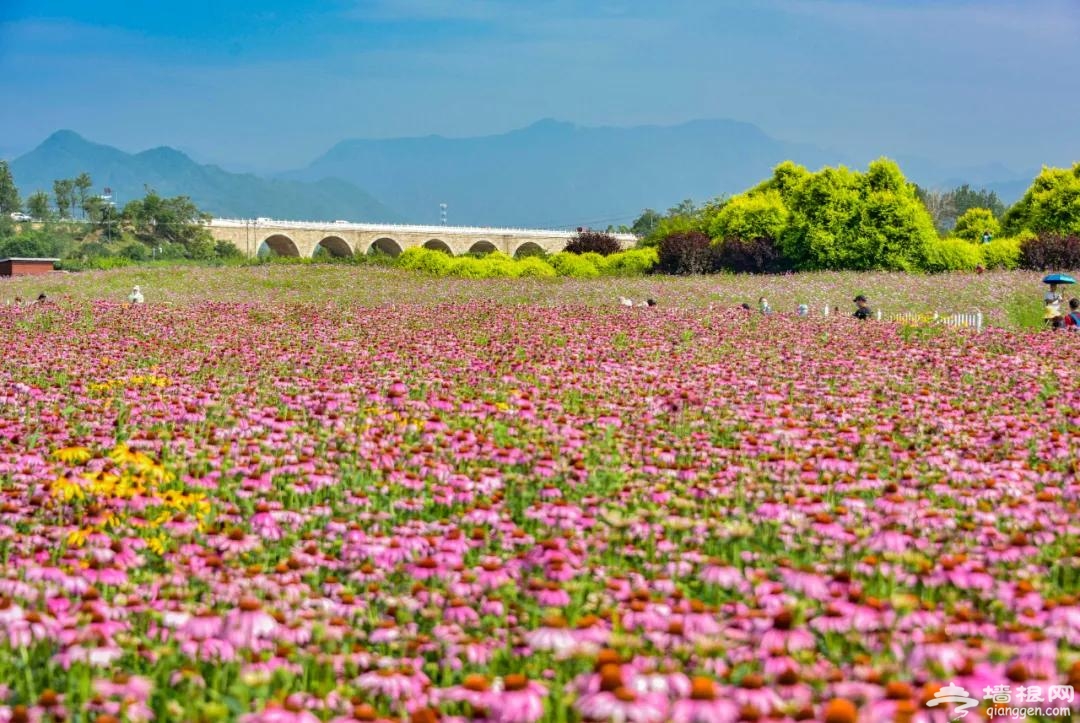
x: 862, y: 309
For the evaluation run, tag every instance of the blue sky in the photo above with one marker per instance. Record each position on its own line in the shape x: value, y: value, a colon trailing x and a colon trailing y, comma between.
x: 270, y: 85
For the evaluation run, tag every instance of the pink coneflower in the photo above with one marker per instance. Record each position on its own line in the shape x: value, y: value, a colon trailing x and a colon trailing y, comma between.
x: 753, y: 693
x: 275, y: 713
x: 623, y: 704
x: 205, y: 624
x: 704, y: 705
x: 550, y: 594
x: 208, y: 649
x: 402, y: 683
x: 236, y: 542
x: 94, y: 656
x: 520, y: 701
x: 474, y: 690
x: 553, y: 635
x: 125, y: 687
x: 459, y: 612
x: 492, y: 574
x: 247, y: 624
x: 783, y: 637
x: 591, y: 630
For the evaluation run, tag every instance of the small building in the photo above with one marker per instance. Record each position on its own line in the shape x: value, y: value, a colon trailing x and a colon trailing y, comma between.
x: 26, y: 267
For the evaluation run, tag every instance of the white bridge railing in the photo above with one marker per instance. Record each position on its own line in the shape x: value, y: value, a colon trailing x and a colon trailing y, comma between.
x: 400, y: 228
x: 967, y: 320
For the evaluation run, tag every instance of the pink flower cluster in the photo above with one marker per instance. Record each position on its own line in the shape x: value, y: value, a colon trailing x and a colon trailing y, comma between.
x: 298, y: 512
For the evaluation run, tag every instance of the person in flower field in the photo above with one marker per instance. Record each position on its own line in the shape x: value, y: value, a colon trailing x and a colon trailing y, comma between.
x: 1072, y: 319
x: 862, y: 308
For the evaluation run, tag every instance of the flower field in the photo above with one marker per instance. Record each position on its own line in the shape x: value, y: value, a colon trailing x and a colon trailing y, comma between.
x: 358, y: 495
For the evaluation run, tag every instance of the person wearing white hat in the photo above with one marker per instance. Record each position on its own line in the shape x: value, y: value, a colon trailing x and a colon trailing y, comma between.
x: 136, y: 296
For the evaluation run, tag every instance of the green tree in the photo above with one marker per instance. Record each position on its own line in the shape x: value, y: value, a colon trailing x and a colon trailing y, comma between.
x: 1052, y: 204
x: 9, y: 193
x: 645, y: 223
x: 38, y: 205
x: 155, y: 219
x: 966, y: 198
x: 38, y: 243
x: 786, y: 179
x: 975, y: 222
x: 64, y: 192
x: 93, y: 208
x: 686, y: 207
x: 751, y: 215
x: 82, y: 184
x: 941, y: 205
x: 841, y: 219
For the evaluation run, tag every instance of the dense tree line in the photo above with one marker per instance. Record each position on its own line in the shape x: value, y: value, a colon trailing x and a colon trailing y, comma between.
x: 80, y: 226
x: 837, y: 218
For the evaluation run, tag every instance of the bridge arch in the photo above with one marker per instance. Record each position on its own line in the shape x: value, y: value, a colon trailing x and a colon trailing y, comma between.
x: 436, y: 244
x: 385, y: 245
x: 335, y: 246
x: 483, y: 247
x: 529, y: 248
x: 278, y: 244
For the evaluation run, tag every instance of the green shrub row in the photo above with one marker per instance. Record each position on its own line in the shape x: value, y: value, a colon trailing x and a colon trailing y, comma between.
x: 956, y: 254
x: 634, y: 262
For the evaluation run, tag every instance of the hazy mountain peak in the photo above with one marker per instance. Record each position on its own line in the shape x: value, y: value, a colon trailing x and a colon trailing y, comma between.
x: 63, y: 136
x: 170, y: 172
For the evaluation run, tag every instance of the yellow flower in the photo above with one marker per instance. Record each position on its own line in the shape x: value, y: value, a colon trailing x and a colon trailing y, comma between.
x: 121, y: 454
x: 73, y: 455
x: 76, y: 538
x: 66, y: 489
x: 157, y: 544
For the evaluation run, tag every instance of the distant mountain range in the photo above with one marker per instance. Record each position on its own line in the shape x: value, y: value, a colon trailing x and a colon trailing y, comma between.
x: 549, y: 174
x: 66, y: 154
x: 559, y: 174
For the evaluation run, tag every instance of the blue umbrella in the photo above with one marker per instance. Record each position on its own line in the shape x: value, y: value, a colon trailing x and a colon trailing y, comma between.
x: 1059, y: 279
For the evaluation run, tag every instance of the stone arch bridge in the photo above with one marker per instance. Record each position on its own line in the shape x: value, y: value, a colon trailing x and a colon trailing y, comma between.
x: 340, y: 238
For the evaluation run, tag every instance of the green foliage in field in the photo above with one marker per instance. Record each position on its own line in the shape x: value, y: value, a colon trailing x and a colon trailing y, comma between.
x: 835, y: 218
x: 1051, y: 205
x: 751, y: 215
x: 975, y: 222
x: 951, y: 254
x: 1001, y: 253
x: 574, y: 265
x: 1024, y: 311
x: 634, y: 262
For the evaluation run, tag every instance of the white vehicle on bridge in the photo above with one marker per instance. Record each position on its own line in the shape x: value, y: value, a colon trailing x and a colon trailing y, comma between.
x: 21, y: 217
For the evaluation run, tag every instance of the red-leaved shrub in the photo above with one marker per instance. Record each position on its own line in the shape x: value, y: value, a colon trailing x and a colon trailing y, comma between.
x: 753, y: 255
x: 689, y: 252
x: 593, y: 241
x: 1048, y: 251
